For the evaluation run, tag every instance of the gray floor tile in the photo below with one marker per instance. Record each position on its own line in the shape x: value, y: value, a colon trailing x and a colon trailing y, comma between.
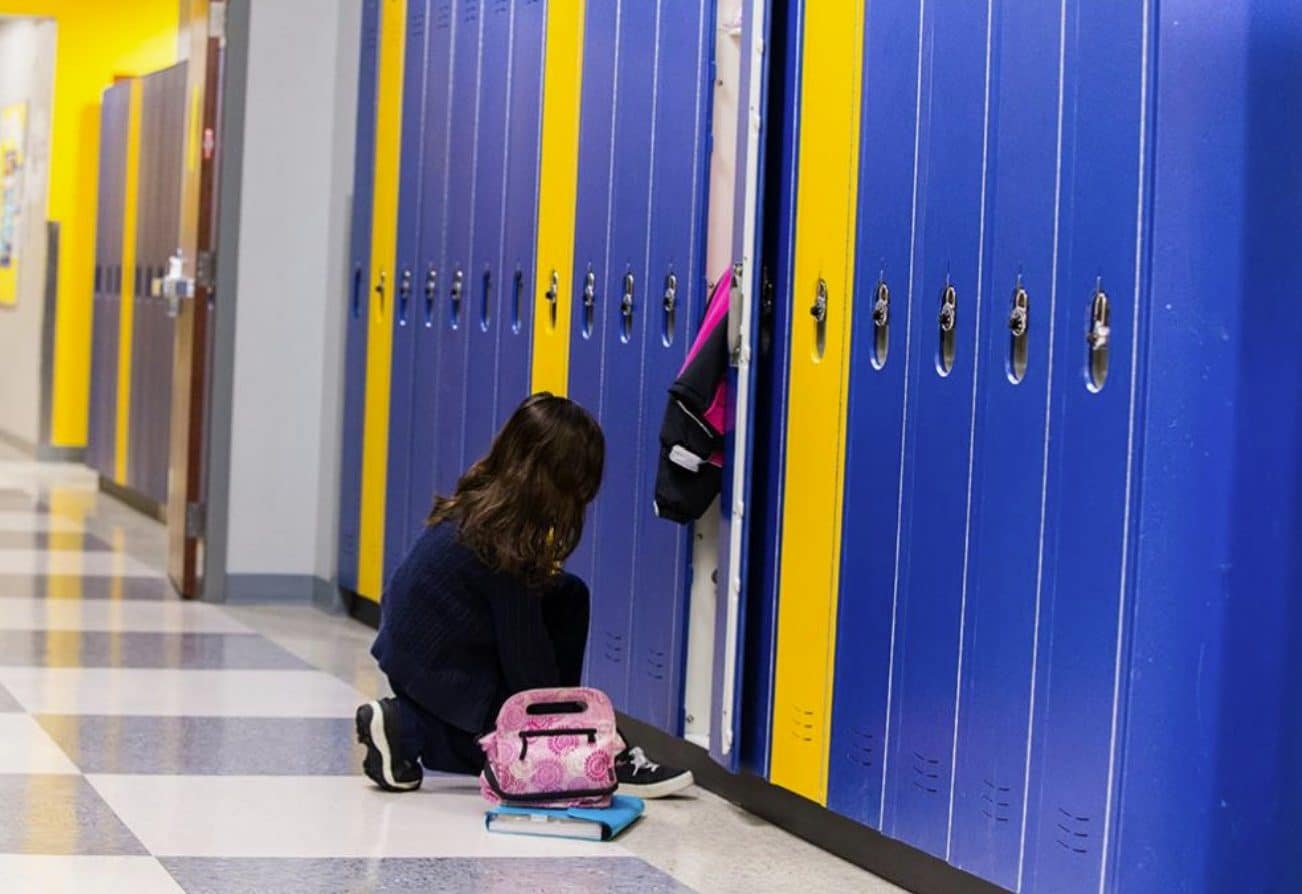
x: 7, y: 702
x: 41, y: 540
x: 76, y: 648
x: 620, y: 875
x: 68, y: 586
x: 208, y: 746
x: 60, y: 815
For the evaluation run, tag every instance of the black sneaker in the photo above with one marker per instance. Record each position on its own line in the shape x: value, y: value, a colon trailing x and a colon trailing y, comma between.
x: 377, y: 729
x: 643, y: 778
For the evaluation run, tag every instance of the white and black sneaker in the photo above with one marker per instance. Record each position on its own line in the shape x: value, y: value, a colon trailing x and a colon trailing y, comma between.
x: 377, y: 729
x: 643, y: 778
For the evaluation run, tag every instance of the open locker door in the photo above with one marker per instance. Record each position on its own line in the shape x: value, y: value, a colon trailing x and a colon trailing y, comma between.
x: 735, y: 519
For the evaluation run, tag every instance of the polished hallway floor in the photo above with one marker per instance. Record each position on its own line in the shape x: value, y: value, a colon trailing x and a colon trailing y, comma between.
x: 150, y: 745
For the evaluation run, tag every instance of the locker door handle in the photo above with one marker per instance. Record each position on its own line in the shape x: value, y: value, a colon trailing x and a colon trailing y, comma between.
x: 458, y: 278
x: 589, y: 301
x: 626, y: 309
x: 355, y: 304
x: 818, y: 310
x: 485, y: 301
x: 1098, y: 337
x: 948, y: 322
x: 431, y: 292
x: 382, y: 286
x: 1019, y: 327
x: 404, y: 296
x: 881, y: 323
x: 552, y: 295
x: 671, y: 309
x: 517, y: 297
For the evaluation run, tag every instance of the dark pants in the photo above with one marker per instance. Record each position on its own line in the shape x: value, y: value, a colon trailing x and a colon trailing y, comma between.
x: 442, y: 747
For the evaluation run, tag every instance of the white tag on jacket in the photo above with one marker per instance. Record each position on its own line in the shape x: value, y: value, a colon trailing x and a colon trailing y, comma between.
x: 681, y: 456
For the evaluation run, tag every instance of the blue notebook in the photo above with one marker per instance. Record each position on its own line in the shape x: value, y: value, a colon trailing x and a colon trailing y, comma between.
x: 584, y: 823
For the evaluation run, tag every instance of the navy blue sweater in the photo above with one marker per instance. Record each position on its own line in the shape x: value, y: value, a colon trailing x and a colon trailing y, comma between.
x: 458, y: 637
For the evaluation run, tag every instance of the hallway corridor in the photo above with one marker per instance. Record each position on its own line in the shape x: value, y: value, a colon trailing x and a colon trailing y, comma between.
x: 151, y: 745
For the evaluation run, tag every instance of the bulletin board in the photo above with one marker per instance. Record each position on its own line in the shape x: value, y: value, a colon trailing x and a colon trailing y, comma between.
x: 13, y: 142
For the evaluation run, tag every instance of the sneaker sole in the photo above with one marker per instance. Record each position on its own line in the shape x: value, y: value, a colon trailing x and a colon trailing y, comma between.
x: 664, y: 789
x: 378, y: 763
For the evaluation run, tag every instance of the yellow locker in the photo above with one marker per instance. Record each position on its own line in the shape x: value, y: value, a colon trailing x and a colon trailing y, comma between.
x: 379, y: 333
x: 557, y: 194
x: 821, y: 306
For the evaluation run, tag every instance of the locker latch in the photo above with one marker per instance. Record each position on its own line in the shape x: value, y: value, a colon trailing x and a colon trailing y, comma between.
x: 671, y: 293
x: 626, y: 301
x: 458, y: 279
x: 882, y: 305
x: 948, y: 309
x: 431, y: 293
x: 404, y: 296
x: 819, y: 309
x: 1100, y: 317
x: 554, y: 288
x: 1019, y: 316
x: 589, y: 290
x: 381, y: 287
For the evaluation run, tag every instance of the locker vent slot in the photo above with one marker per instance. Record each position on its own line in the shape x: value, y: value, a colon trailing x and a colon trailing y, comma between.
x: 996, y: 805
x: 614, y: 646
x: 654, y: 664
x: 926, y: 774
x: 355, y: 302
x: 802, y: 723
x: 1073, y: 831
x: 486, y: 300
x: 863, y: 749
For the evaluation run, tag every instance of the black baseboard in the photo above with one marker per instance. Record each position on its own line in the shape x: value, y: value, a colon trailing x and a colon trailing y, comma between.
x: 893, y: 860
x: 133, y: 498
x: 360, y: 607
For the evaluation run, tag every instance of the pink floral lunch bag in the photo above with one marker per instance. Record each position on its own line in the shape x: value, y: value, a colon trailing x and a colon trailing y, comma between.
x: 552, y: 748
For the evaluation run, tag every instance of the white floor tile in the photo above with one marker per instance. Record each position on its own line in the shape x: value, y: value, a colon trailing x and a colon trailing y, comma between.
x: 26, y: 748
x: 22, y: 873
x: 30, y: 613
x: 196, y: 693
x: 39, y: 523
x: 316, y: 816
x: 57, y: 561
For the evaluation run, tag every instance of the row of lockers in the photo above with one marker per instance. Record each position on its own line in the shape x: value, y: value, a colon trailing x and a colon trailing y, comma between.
x: 1020, y: 521
x: 472, y: 116
x: 142, y: 131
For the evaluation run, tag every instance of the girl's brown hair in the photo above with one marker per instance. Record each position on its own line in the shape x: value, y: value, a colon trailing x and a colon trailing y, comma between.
x: 521, y: 507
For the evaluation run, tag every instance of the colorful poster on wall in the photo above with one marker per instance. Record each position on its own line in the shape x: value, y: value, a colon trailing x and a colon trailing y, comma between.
x: 13, y: 142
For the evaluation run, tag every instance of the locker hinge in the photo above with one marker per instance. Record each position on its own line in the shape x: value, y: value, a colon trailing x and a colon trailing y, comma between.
x: 194, y: 520
x: 205, y: 276
x: 217, y: 20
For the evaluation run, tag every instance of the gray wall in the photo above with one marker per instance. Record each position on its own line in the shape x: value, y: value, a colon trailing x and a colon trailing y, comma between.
x: 281, y: 497
x: 27, y: 48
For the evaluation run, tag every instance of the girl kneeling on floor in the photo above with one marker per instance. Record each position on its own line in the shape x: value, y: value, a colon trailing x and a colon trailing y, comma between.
x: 480, y: 608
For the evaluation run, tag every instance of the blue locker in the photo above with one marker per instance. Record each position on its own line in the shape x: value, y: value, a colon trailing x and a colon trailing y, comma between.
x: 350, y: 474
x: 769, y: 437
x: 516, y: 287
x: 429, y: 310
x: 1011, y: 422
x: 591, y: 237
x: 626, y: 301
x: 459, y: 286
x: 875, y: 418
x: 484, y: 278
x: 670, y: 304
x: 939, y: 355
x: 399, y: 532
x: 1093, y: 418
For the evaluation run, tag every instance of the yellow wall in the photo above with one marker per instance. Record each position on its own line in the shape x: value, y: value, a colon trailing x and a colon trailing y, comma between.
x: 96, y: 41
